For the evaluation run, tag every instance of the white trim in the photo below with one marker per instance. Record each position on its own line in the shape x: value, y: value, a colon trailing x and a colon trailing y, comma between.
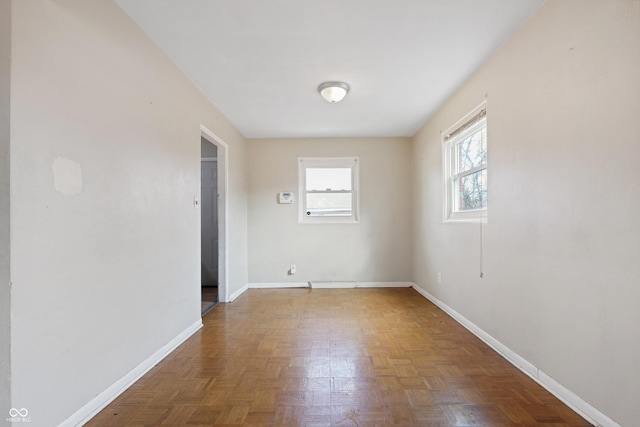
x: 329, y: 162
x: 332, y: 285
x: 223, y: 211
x: 237, y: 293
x: 448, y: 214
x: 583, y: 408
x: 468, y: 217
x: 384, y: 284
x: 469, y: 172
x: 277, y: 285
x: 351, y: 285
x: 98, y: 403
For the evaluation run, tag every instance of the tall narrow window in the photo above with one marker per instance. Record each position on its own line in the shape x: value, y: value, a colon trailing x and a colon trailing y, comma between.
x: 465, y: 168
x: 328, y: 190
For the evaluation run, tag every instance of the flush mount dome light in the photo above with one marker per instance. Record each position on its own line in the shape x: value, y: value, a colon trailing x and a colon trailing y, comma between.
x: 333, y: 91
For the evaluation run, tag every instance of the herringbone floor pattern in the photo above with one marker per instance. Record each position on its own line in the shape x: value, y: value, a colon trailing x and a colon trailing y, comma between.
x: 334, y: 357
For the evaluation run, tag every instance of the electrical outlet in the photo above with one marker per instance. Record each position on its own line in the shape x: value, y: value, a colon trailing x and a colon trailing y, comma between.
x: 439, y: 277
x: 292, y: 270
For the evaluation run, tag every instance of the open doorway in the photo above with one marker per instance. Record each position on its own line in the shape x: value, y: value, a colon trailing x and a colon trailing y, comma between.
x: 213, y: 221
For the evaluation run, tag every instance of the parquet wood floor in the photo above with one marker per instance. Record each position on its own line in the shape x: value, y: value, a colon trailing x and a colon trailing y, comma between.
x: 334, y: 357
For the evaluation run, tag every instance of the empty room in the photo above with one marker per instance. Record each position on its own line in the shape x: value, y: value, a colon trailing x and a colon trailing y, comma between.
x: 319, y: 213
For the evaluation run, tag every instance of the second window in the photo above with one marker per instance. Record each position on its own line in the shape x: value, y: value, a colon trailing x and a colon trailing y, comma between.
x: 465, y: 168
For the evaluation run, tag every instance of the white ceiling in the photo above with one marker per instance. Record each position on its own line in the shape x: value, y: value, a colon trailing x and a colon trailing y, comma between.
x: 261, y: 61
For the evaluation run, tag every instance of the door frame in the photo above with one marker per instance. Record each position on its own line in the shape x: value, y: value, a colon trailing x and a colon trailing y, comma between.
x: 223, y: 211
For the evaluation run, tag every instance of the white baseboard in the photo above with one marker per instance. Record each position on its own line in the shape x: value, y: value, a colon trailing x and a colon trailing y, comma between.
x: 591, y: 414
x: 583, y: 408
x: 332, y: 285
x: 99, y: 402
x: 277, y: 285
x: 351, y: 285
x: 237, y: 293
x: 385, y: 284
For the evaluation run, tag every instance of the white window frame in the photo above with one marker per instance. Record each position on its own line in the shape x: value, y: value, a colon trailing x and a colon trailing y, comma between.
x: 450, y: 138
x: 329, y: 162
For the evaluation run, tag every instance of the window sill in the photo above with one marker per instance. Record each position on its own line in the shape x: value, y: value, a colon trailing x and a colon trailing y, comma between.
x: 328, y: 220
x: 479, y: 216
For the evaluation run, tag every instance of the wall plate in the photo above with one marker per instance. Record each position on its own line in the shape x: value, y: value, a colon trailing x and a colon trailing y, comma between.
x: 285, y: 198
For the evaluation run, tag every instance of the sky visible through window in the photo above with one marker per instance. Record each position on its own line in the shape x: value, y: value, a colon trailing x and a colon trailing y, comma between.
x: 322, y: 179
x: 329, y: 192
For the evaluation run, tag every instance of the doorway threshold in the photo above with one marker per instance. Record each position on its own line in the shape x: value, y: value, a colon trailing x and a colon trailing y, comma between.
x: 207, y: 307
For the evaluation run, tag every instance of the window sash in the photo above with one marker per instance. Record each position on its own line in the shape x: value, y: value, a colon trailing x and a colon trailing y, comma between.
x: 334, y: 208
x: 331, y: 182
x: 328, y: 191
x: 457, y: 192
x: 457, y: 134
x: 328, y: 163
x: 469, y: 172
x: 454, y: 146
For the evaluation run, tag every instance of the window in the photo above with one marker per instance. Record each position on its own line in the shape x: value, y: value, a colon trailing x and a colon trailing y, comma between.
x: 328, y: 190
x: 465, y: 168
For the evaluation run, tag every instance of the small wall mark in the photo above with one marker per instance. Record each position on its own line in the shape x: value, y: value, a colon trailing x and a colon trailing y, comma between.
x: 67, y: 176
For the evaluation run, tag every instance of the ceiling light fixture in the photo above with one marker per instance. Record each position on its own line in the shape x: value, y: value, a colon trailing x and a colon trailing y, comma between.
x: 333, y: 91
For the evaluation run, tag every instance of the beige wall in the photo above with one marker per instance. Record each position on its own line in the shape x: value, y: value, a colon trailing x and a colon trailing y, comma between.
x: 562, y: 243
x: 378, y: 249
x: 106, y: 273
x: 5, y: 291
x: 105, y: 236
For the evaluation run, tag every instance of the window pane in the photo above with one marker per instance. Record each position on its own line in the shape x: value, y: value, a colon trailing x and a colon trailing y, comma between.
x: 322, y: 179
x: 471, y: 152
x: 470, y: 191
x: 329, y: 204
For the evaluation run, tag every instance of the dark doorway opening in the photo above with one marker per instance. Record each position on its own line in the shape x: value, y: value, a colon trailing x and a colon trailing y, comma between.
x: 209, y: 225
